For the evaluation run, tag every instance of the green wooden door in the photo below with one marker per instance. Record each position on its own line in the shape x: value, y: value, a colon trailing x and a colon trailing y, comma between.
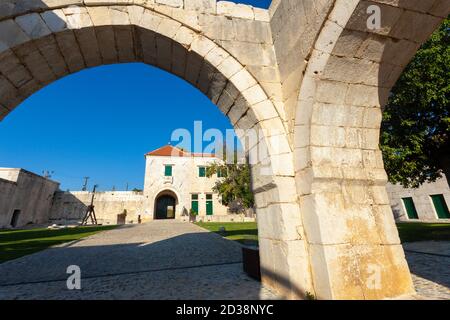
x: 194, y: 203
x: 209, y: 205
x: 410, y: 208
x: 440, y: 206
x: 165, y: 207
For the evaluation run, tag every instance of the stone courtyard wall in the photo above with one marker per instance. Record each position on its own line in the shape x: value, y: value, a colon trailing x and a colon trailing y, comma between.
x: 27, y: 192
x: 70, y: 207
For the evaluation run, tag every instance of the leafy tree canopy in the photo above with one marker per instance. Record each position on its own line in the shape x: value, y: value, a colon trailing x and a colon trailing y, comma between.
x: 234, y: 186
x: 416, y: 121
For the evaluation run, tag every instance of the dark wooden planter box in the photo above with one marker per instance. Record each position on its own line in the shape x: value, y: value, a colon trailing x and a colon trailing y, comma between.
x: 250, y: 257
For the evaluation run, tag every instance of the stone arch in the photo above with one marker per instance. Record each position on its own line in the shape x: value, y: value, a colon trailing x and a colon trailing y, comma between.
x: 51, y: 39
x: 339, y: 167
x: 165, y: 192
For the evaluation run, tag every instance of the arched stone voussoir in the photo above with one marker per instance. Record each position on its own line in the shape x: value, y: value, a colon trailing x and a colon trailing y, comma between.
x: 41, y: 44
x: 99, y: 35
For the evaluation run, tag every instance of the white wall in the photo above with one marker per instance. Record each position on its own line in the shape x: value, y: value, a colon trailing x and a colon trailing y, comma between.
x: 184, y: 182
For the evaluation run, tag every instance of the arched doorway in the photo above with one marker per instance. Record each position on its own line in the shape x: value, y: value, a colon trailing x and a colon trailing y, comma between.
x: 165, y: 206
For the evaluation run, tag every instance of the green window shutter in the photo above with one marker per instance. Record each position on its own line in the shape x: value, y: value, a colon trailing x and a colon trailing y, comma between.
x: 440, y: 206
x: 168, y: 171
x: 410, y: 208
x: 201, y: 172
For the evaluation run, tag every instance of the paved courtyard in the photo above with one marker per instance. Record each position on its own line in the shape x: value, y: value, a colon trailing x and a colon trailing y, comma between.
x: 429, y: 262
x: 157, y: 260
x: 173, y: 260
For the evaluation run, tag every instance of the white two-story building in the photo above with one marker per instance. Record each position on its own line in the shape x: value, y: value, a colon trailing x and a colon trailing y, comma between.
x: 176, y: 183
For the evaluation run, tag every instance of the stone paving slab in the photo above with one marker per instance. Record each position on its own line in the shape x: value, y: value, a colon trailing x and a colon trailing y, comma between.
x: 429, y: 262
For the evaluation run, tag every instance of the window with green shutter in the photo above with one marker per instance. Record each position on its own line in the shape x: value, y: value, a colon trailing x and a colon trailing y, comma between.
x: 202, y: 172
x: 440, y: 206
x: 168, y: 170
x: 410, y: 208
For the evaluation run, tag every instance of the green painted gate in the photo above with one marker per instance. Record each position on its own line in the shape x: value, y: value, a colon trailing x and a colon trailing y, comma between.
x: 194, y: 203
x: 209, y: 205
x: 410, y: 208
x: 440, y: 206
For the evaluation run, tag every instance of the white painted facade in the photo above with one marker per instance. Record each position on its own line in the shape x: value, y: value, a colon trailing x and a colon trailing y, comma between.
x: 184, y: 182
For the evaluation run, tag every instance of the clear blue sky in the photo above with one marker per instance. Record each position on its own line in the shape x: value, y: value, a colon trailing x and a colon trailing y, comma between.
x: 100, y: 122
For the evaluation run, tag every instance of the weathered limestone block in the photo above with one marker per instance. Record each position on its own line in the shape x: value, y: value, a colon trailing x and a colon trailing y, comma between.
x: 90, y: 50
x: 217, y: 87
x: 164, y: 54
x: 238, y: 109
x: 227, y: 97
x: 13, y: 70
x: 237, y: 10
x: 33, y: 25
x: 179, y: 55
x: 11, y: 35
x: 360, y: 271
x: 125, y: 43
x: 70, y: 50
x: 8, y: 93
x: 172, y: 3
x: 148, y: 46
x: 55, y: 19
x: 217, y: 27
x: 201, y: 5
x: 52, y: 54
x: 193, y: 65
x: 33, y: 60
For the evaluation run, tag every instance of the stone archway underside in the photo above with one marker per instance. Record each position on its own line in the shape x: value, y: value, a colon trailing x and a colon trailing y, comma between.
x: 307, y: 73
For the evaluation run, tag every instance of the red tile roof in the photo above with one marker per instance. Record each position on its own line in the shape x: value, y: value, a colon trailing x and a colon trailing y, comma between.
x: 170, y: 151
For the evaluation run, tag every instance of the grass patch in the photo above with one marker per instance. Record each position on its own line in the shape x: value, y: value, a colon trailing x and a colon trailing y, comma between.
x: 247, y: 232
x: 17, y: 243
x: 243, y: 232
x: 410, y: 232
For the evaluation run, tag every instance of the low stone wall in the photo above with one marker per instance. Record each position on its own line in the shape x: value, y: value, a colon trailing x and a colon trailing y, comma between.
x: 70, y: 207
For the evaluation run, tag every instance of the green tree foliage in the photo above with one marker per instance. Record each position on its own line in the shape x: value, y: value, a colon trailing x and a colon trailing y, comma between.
x: 234, y: 186
x: 416, y: 121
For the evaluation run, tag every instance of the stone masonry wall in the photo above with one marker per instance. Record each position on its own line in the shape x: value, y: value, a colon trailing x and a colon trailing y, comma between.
x: 70, y: 207
x: 27, y: 192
